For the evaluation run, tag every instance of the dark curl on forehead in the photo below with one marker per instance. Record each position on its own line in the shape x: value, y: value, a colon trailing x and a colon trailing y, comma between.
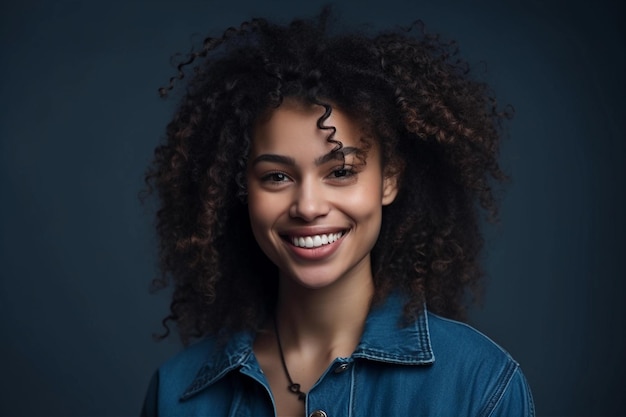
x: 436, y: 127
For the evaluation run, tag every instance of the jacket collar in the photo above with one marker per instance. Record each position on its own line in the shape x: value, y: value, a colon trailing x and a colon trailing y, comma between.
x: 384, y: 340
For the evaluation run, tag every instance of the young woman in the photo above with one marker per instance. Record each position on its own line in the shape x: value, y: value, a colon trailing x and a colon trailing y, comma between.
x: 320, y: 198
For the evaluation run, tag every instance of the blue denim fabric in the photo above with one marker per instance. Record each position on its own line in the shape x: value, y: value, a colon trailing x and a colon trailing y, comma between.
x: 433, y: 367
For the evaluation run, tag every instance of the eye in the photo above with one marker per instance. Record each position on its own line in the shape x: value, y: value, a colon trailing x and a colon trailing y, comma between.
x: 276, y: 177
x: 343, y: 172
x: 343, y: 175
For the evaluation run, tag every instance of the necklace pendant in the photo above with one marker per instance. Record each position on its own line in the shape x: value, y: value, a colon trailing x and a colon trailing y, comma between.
x: 295, y: 389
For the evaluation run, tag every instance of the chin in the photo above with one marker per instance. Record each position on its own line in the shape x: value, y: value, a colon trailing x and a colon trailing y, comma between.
x: 313, y: 281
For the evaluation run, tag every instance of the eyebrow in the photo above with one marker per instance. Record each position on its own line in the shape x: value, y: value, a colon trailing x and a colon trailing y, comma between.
x: 289, y: 161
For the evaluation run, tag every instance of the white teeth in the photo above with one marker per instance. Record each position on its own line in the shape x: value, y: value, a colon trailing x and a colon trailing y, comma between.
x: 315, y: 241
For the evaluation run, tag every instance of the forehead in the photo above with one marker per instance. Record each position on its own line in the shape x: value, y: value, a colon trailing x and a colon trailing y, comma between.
x: 296, y: 128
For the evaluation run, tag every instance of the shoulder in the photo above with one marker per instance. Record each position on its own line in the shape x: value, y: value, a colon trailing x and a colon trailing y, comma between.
x: 204, y: 362
x: 466, y: 352
x: 478, y: 365
x: 187, y: 362
x: 450, y: 337
x: 192, y: 371
x: 176, y: 375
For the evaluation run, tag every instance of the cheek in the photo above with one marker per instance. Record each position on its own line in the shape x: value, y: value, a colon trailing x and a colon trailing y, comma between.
x: 262, y: 217
x: 365, y: 209
x: 258, y: 213
x: 366, y: 201
x: 263, y: 212
x: 258, y: 223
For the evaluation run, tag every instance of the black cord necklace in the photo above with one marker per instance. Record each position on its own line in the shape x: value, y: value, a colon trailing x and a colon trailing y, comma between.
x: 293, y: 387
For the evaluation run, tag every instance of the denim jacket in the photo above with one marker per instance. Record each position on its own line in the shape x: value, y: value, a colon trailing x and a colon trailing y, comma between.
x: 433, y: 367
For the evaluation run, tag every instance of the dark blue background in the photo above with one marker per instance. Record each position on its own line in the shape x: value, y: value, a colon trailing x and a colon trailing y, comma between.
x: 80, y: 117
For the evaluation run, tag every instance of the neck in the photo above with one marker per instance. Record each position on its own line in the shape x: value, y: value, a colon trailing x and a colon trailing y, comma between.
x: 323, y: 322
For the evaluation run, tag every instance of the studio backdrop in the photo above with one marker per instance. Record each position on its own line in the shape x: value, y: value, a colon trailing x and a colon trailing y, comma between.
x: 80, y: 117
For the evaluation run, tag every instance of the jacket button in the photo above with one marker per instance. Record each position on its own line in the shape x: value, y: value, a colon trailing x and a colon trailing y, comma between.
x: 339, y: 369
x: 318, y: 413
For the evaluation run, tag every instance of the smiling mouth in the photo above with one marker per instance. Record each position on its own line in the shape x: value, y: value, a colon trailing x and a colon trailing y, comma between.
x: 315, y: 241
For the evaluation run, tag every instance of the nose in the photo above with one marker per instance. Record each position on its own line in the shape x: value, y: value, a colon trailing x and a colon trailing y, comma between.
x: 309, y: 201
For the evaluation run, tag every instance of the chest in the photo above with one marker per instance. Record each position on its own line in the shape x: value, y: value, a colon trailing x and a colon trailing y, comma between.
x: 347, y: 388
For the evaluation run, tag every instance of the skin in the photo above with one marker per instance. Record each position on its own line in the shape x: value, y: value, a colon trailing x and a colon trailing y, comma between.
x: 297, y: 188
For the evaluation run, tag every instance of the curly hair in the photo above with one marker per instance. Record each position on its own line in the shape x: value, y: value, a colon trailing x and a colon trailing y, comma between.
x: 438, y: 131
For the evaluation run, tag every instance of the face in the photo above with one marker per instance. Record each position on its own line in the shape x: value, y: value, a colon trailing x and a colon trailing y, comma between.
x: 316, y: 216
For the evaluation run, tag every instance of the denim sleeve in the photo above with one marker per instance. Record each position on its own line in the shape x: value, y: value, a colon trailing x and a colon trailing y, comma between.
x: 150, y: 403
x: 516, y: 400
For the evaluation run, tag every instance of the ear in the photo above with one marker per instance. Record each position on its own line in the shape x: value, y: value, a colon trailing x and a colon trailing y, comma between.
x: 390, y: 189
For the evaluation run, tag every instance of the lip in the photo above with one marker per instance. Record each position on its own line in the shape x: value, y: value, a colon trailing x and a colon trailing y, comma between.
x: 314, y: 254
